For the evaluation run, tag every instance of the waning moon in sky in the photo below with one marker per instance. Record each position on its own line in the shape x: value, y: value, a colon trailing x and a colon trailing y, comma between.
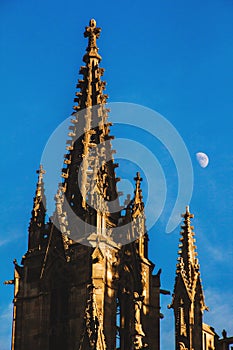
x: 202, y: 159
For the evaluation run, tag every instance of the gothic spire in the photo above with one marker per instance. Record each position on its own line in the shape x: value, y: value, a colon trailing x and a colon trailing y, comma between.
x: 89, y: 169
x: 37, y: 221
x: 188, y: 263
x: 138, y: 204
x: 188, y: 268
x: 188, y: 297
x: 137, y: 213
x: 91, y: 87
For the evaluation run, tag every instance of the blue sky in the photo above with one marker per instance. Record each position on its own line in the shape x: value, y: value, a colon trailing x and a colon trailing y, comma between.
x: 174, y: 57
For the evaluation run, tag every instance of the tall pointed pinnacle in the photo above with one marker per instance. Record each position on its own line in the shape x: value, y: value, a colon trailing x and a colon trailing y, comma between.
x: 188, y: 266
x: 91, y: 86
x: 188, y: 298
x: 89, y: 180
x: 90, y: 125
x: 188, y: 262
x: 37, y: 221
x: 137, y: 214
x: 138, y: 204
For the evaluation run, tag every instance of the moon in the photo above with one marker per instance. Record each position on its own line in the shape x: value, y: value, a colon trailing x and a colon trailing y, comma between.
x: 202, y: 159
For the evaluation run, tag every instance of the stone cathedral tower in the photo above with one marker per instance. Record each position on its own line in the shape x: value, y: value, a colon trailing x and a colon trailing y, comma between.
x: 78, y: 287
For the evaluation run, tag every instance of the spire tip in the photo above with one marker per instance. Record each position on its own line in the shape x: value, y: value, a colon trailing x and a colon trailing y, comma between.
x: 92, y: 33
x: 187, y: 213
x: 138, y: 178
x: 41, y: 170
x: 92, y: 23
x: 40, y: 173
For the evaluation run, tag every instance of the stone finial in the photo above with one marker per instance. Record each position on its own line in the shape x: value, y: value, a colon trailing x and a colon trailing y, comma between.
x: 92, y: 33
x: 39, y: 196
x: 138, y: 191
x: 187, y: 213
x: 40, y: 173
x: 224, y: 333
x: 138, y: 204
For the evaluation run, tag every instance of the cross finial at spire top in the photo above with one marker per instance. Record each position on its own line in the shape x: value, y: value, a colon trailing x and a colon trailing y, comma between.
x: 92, y: 33
x: 41, y: 172
x: 138, y: 178
x: 187, y: 213
x: 138, y: 191
x: 138, y: 205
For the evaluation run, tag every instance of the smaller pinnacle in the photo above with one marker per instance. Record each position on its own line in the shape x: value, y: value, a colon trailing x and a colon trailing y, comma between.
x: 38, y: 212
x: 40, y: 183
x: 41, y: 172
x: 39, y: 197
x: 138, y: 205
x: 138, y: 191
